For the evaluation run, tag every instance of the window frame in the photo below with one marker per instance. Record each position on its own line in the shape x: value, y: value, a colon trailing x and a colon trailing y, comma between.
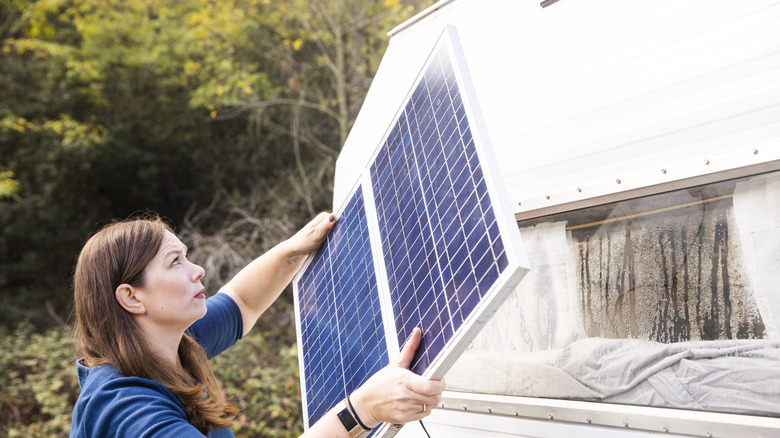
x: 628, y: 417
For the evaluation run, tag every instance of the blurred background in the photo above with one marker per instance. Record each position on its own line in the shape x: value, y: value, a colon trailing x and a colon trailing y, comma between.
x: 225, y: 117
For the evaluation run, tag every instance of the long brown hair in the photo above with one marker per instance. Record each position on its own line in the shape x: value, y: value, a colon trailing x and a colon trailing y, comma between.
x: 107, y: 334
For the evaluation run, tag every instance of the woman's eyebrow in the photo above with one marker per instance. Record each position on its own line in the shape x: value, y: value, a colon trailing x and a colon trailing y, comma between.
x: 174, y: 249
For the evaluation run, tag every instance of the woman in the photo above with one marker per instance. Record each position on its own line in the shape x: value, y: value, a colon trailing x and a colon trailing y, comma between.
x: 146, y: 330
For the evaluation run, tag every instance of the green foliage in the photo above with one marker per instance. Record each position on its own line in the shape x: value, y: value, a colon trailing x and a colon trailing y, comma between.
x: 37, y: 374
x: 9, y: 187
x: 38, y: 377
x: 261, y: 377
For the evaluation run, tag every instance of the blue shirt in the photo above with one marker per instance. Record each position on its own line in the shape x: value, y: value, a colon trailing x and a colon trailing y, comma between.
x: 112, y: 405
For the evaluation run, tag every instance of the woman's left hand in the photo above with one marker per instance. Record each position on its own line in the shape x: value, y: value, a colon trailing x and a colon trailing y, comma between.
x: 263, y: 280
x: 312, y: 235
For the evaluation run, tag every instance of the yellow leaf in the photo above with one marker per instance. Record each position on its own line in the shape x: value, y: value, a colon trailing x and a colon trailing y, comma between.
x: 297, y: 44
x: 213, y: 113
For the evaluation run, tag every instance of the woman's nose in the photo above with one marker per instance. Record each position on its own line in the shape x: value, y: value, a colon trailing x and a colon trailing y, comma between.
x: 199, y: 272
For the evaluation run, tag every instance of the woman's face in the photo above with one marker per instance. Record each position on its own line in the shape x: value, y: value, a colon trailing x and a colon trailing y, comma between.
x: 172, y: 292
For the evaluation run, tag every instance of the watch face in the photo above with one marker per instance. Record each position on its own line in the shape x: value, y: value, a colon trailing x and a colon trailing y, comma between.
x: 347, y: 419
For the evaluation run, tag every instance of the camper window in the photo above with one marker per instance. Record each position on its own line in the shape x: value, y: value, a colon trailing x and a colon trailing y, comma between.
x: 667, y: 300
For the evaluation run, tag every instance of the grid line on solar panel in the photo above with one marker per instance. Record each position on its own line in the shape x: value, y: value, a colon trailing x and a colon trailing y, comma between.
x: 340, y: 314
x: 432, y: 203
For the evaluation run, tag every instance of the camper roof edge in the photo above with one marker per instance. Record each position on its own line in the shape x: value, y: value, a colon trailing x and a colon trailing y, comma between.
x: 651, y: 189
x: 419, y: 17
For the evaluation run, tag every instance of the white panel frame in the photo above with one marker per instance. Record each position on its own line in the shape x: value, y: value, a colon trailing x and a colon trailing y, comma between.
x: 506, y: 222
x: 502, y: 207
x: 518, y: 263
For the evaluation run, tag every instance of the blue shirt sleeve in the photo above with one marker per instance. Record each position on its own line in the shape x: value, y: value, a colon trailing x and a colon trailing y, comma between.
x: 114, y: 406
x: 221, y: 327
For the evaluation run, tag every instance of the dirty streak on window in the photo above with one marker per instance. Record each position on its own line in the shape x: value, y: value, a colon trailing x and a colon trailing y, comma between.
x: 668, y: 277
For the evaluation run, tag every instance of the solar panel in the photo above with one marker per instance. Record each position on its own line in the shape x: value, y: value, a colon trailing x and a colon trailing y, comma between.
x: 440, y: 242
x: 338, y: 314
x: 440, y: 239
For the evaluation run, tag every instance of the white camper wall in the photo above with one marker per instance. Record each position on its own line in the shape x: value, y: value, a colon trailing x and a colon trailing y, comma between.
x: 582, y: 94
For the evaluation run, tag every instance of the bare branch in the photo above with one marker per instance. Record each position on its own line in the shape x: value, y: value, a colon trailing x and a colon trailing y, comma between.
x: 295, y: 123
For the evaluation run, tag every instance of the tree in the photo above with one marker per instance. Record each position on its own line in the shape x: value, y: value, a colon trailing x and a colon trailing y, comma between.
x: 225, y: 117
x: 320, y: 58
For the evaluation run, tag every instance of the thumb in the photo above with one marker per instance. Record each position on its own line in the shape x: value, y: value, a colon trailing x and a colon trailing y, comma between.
x: 407, y: 352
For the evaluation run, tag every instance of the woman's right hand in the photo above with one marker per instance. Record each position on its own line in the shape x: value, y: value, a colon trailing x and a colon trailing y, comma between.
x: 396, y: 395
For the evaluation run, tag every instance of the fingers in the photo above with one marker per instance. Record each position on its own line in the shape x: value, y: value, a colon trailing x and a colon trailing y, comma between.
x: 313, y: 234
x: 407, y: 352
x: 322, y: 220
x: 325, y: 222
x: 415, y: 410
x: 426, y: 390
x: 396, y: 395
x: 420, y: 390
x: 430, y: 402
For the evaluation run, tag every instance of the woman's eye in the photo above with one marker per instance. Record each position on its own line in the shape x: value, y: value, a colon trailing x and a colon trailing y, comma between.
x: 175, y: 262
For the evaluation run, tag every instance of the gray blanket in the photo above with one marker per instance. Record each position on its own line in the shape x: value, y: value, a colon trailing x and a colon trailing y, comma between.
x: 738, y: 376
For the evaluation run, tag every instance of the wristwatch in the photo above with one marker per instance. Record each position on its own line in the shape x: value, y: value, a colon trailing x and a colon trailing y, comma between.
x: 348, y: 421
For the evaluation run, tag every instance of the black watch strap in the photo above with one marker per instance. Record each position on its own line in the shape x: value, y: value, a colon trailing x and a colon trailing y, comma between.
x: 348, y: 421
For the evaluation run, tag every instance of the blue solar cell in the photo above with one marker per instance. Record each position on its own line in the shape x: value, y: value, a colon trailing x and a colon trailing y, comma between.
x: 340, y: 314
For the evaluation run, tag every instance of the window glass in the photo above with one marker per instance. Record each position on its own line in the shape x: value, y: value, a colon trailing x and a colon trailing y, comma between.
x: 668, y: 300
